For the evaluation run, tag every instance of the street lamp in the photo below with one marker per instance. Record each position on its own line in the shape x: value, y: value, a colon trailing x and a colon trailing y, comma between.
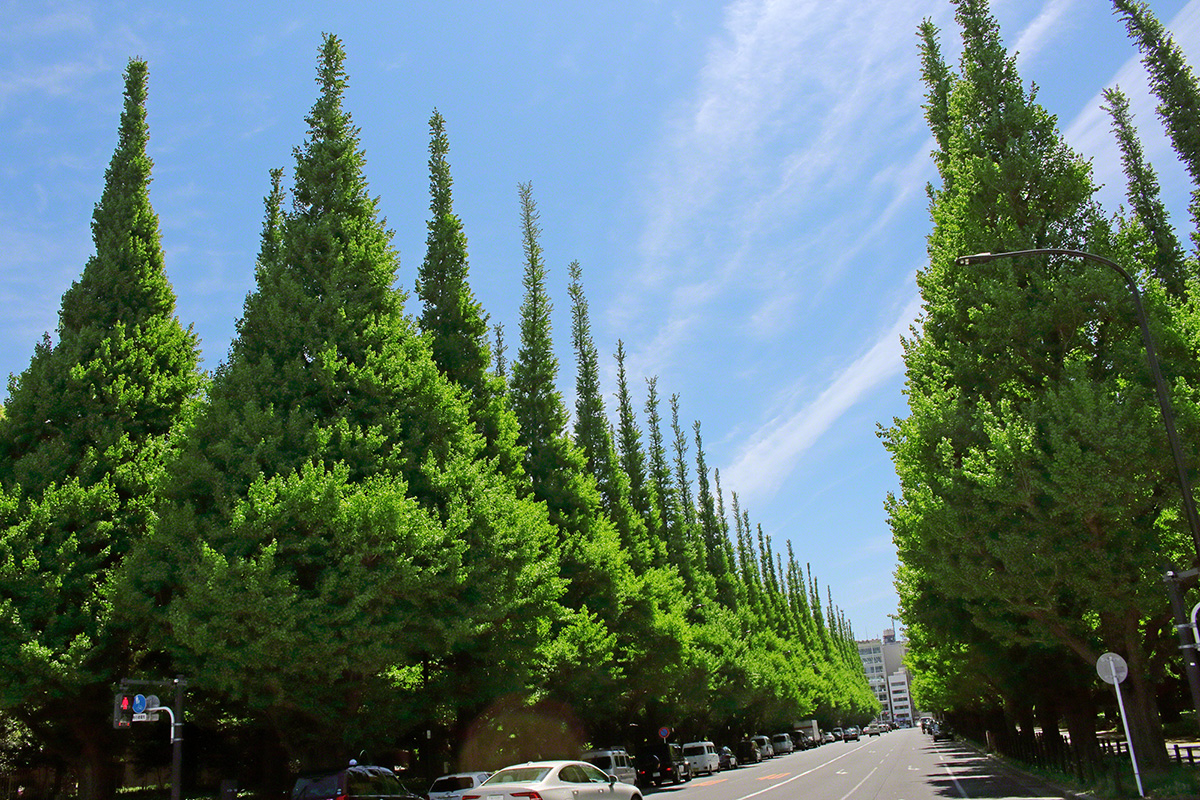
x: 1183, y: 626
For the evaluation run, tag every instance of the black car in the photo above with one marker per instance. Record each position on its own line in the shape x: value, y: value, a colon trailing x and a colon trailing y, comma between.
x: 351, y: 783
x: 941, y: 730
x: 748, y: 752
x: 661, y: 762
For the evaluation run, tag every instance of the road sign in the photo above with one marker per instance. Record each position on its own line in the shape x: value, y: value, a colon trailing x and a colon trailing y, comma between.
x: 145, y: 717
x: 139, y: 703
x: 152, y: 702
x: 1111, y: 668
x: 664, y: 732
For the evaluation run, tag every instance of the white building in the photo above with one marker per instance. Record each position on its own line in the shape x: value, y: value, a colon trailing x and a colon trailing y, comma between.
x: 883, y: 663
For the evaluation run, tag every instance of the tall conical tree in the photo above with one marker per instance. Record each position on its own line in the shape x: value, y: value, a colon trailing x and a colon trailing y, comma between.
x: 83, y: 440
x: 335, y: 485
x: 453, y: 320
x: 591, y: 558
x: 1170, y: 78
x: 711, y: 529
x: 642, y: 491
x: 1020, y: 384
x: 593, y: 433
x: 1167, y: 261
x: 1178, y: 92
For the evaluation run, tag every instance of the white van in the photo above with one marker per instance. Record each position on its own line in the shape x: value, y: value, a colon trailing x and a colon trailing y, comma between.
x: 702, y: 757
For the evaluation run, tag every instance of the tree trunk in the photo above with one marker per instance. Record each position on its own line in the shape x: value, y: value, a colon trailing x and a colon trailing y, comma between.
x: 95, y: 764
x: 1139, y: 694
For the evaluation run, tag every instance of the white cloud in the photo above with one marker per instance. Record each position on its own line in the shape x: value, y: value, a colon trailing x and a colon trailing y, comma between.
x: 795, y: 110
x: 55, y: 80
x: 774, y: 449
x: 1046, y: 25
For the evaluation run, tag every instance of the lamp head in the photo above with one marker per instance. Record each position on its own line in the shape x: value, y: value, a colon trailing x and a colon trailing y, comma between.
x: 977, y: 258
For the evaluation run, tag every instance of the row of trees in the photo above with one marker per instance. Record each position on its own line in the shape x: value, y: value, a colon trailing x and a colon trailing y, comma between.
x: 1038, y: 504
x: 367, y: 524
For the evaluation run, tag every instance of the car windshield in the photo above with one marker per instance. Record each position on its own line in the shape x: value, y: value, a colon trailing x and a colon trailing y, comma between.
x: 519, y: 775
x: 451, y: 783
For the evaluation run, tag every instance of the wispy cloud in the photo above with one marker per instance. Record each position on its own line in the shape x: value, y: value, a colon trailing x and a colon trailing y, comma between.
x: 774, y: 449
x: 785, y: 127
x: 1045, y: 26
x: 55, y: 79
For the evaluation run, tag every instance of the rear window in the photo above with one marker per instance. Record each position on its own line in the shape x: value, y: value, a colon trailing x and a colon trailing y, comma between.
x: 694, y: 750
x: 453, y: 783
x: 518, y: 775
x: 319, y: 787
x: 603, y: 762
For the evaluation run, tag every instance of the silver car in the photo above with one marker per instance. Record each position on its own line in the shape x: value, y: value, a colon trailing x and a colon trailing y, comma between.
x: 451, y: 787
x: 553, y: 780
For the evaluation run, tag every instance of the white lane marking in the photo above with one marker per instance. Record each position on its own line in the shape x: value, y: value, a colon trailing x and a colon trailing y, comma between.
x: 794, y: 777
x: 961, y: 791
x: 860, y: 783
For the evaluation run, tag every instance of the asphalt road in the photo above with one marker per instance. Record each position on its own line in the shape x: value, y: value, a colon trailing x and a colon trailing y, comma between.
x: 899, y: 765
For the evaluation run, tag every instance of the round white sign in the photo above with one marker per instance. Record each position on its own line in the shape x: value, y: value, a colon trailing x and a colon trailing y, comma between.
x: 1111, y: 668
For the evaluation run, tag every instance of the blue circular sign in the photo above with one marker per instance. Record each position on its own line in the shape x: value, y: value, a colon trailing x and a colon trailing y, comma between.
x: 664, y: 731
x: 139, y: 703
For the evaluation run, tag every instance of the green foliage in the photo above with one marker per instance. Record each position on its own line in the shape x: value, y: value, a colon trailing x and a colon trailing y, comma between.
x: 453, y: 320
x: 353, y: 532
x: 1026, y: 380
x: 336, y: 478
x: 83, y: 441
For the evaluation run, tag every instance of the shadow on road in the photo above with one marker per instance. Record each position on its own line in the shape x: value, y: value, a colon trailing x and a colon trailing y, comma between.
x: 964, y: 772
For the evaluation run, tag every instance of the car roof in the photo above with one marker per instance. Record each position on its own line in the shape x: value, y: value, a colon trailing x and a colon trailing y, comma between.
x: 551, y: 763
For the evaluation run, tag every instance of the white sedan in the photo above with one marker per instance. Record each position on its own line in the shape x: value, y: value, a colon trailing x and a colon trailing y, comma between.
x: 553, y: 780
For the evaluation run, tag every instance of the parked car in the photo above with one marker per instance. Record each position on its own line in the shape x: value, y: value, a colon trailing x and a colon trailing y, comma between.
x: 838, y: 733
x: 451, y: 787
x: 702, y: 757
x: 764, y: 746
x: 748, y: 752
x: 349, y: 783
x: 802, y: 741
x: 661, y: 762
x: 726, y: 759
x: 872, y: 730
x: 782, y: 744
x: 850, y: 734
x: 551, y: 780
x: 940, y: 730
x: 614, y: 761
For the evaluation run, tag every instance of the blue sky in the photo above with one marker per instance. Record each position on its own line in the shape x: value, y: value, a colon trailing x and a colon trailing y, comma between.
x: 743, y: 185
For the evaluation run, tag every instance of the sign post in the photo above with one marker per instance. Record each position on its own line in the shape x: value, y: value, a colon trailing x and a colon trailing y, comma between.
x: 142, y: 708
x: 1112, y: 669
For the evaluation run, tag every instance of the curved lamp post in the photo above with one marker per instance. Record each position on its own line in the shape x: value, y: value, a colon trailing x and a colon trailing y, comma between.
x: 1183, y: 626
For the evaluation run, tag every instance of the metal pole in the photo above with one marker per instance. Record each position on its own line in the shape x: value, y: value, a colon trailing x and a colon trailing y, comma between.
x: 177, y: 739
x: 1183, y: 630
x: 1137, y: 775
x: 1186, y: 641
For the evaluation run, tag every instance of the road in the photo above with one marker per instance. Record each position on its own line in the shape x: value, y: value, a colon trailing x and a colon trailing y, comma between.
x: 899, y: 765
